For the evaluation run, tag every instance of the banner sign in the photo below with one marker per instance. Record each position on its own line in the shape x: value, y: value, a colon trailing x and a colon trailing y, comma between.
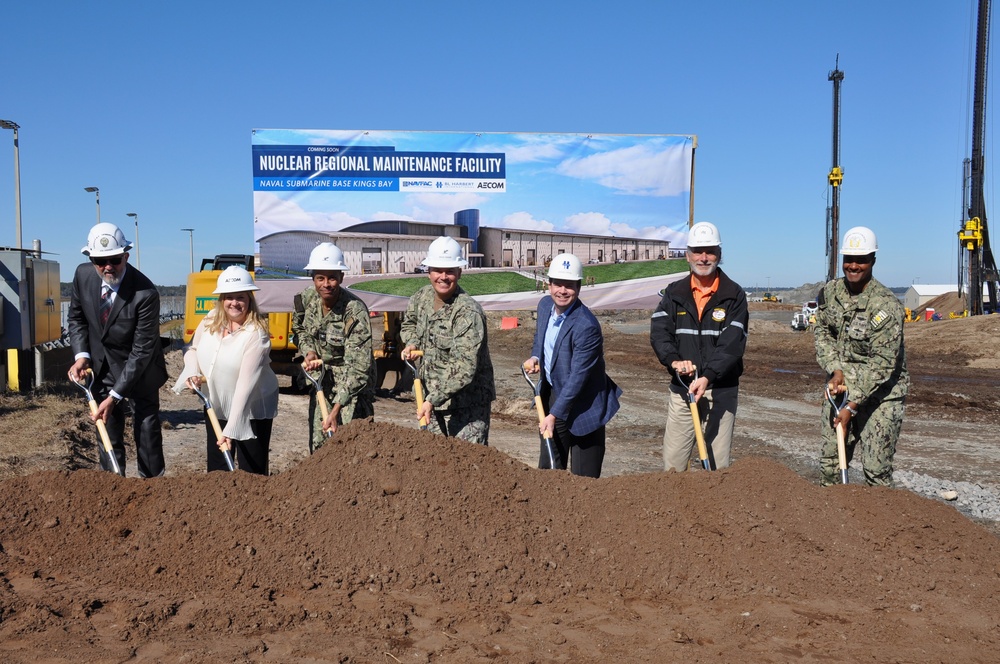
x: 598, y: 184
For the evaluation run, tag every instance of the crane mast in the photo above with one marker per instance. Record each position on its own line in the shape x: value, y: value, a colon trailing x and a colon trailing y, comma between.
x: 835, y: 178
x: 977, y: 265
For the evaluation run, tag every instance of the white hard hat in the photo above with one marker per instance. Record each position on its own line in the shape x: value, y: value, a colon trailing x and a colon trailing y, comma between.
x: 566, y: 266
x: 859, y: 241
x: 234, y: 279
x: 444, y: 252
x: 105, y: 239
x: 704, y: 234
x: 327, y: 256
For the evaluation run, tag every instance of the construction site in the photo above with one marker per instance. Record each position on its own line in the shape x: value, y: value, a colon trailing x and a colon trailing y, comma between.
x: 393, y: 544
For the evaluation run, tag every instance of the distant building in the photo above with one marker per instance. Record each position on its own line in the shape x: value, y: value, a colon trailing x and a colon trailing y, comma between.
x: 917, y: 295
x: 398, y: 246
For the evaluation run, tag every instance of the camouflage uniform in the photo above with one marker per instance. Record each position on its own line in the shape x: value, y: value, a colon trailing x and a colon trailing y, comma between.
x: 342, y: 338
x: 862, y: 336
x: 456, y: 369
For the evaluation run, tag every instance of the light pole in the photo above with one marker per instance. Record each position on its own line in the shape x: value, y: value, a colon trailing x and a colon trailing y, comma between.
x: 190, y: 232
x: 7, y: 124
x: 135, y: 217
x: 97, y: 194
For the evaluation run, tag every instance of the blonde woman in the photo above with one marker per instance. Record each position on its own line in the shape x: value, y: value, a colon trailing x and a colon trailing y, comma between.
x: 230, y: 351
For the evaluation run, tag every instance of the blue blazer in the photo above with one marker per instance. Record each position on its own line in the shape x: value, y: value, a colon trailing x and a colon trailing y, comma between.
x: 584, y: 396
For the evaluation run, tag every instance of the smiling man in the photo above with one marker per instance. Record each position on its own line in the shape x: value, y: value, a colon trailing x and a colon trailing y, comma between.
x: 859, y: 343
x: 568, y: 351
x: 699, y: 333
x: 444, y: 322
x: 114, y: 329
x: 333, y: 332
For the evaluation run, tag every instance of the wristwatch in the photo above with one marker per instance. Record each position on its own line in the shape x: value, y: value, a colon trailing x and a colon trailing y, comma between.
x: 852, y: 411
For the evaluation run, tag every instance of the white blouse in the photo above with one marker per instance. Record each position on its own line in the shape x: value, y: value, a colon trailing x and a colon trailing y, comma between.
x: 240, y: 382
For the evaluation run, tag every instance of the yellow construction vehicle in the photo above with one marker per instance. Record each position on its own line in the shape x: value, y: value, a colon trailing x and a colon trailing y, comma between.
x: 770, y: 297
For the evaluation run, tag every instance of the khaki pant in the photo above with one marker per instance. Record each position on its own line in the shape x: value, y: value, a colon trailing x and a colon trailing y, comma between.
x: 717, y: 409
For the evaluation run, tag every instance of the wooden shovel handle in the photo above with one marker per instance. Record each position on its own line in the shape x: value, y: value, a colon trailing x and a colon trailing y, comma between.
x: 541, y: 415
x: 841, y: 447
x: 102, y: 428
x: 699, y: 435
x: 418, y: 392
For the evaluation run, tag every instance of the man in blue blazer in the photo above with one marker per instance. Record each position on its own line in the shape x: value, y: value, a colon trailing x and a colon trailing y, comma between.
x: 114, y: 329
x: 569, y: 352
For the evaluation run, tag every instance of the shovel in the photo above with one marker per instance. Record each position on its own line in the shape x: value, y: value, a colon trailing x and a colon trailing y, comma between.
x: 418, y: 387
x: 699, y: 435
x: 324, y: 409
x: 213, y: 418
x: 536, y: 390
x: 101, y: 426
x: 841, y: 442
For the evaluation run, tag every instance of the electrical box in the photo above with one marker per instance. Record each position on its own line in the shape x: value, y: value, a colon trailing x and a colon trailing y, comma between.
x: 29, y: 295
x: 44, y: 292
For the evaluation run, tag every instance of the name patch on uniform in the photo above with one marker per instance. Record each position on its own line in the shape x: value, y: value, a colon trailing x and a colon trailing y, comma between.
x: 718, y: 315
x: 878, y: 319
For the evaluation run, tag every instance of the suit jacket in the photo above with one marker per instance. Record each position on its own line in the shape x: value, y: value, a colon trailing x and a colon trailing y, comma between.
x: 128, y: 347
x: 585, y: 397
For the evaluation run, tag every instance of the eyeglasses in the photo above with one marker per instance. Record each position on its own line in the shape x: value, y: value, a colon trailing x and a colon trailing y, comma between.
x: 711, y: 251
x: 101, y: 262
x: 860, y: 260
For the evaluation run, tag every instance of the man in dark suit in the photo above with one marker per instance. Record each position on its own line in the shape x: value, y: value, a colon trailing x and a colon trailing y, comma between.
x: 569, y: 352
x: 114, y: 328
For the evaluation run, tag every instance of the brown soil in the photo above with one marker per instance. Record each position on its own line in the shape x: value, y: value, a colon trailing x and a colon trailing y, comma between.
x: 394, y: 545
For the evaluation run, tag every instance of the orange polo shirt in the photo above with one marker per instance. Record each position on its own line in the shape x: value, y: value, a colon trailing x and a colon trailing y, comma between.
x: 703, y: 292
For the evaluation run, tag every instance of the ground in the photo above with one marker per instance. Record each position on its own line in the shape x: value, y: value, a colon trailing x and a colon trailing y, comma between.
x: 394, y: 545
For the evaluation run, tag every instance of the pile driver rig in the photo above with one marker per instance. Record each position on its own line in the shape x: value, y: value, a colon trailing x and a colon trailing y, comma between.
x: 834, y: 179
x: 976, y: 265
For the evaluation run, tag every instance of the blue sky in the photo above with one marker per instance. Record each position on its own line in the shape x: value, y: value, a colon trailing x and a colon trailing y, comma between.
x: 154, y: 103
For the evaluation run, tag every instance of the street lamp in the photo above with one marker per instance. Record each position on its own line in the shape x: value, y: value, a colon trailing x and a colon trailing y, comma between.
x: 135, y: 217
x: 7, y: 124
x: 97, y: 194
x: 190, y: 232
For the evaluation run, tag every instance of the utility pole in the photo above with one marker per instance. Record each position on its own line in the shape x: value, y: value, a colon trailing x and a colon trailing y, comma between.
x: 835, y: 178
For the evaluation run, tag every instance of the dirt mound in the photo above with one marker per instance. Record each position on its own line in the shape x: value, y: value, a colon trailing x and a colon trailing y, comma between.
x: 943, y: 305
x: 394, y: 544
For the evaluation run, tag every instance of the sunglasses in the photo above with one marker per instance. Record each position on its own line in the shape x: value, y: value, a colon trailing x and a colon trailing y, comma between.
x: 101, y: 262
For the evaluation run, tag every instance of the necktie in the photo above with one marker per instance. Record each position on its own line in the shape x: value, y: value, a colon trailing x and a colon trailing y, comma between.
x: 105, y: 310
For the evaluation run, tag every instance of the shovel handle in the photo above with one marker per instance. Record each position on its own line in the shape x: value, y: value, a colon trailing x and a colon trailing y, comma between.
x: 699, y: 436
x: 324, y: 409
x: 214, y: 419
x: 842, y: 453
x: 541, y: 415
x: 102, y: 429
x: 418, y: 392
x: 547, y: 435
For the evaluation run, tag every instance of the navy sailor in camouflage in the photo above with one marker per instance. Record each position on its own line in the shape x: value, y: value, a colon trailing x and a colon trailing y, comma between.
x: 859, y: 344
x: 333, y: 332
x: 444, y: 322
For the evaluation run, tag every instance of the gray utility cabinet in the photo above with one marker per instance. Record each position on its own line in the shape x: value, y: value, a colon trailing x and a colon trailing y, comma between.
x: 29, y: 295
